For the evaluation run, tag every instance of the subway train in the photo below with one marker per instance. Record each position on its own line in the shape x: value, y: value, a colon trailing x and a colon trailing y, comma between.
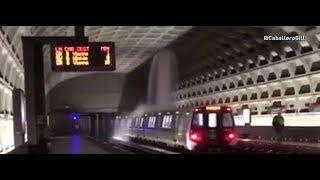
x: 196, y: 129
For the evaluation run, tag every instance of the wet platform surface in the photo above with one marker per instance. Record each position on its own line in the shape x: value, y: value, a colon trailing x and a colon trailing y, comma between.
x: 265, y: 146
x: 75, y: 145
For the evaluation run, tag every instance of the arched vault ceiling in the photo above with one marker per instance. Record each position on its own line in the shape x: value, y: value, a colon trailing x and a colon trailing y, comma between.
x: 198, y: 49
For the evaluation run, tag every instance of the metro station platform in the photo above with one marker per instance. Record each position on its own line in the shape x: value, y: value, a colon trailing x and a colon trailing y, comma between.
x: 81, y: 145
x: 283, y: 146
x: 75, y: 145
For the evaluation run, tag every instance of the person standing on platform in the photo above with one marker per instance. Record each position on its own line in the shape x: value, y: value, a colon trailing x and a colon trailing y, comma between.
x: 278, y: 125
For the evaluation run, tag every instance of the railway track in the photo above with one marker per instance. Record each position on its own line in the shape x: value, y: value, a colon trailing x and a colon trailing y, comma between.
x: 243, y: 147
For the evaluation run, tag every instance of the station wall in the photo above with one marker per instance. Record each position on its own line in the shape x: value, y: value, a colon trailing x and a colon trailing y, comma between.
x: 92, y: 92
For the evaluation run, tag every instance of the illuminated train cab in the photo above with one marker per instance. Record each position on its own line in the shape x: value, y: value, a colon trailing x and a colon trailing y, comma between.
x: 201, y: 128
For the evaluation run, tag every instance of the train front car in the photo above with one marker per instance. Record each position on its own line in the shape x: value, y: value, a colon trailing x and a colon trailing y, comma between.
x: 211, y: 127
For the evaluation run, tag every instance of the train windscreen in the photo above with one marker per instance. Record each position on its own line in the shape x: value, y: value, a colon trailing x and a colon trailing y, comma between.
x: 198, y: 120
x: 227, y: 120
x: 212, y: 120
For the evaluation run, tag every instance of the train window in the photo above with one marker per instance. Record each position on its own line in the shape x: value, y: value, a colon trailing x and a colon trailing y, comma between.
x: 152, y: 122
x: 141, y: 122
x: 212, y: 123
x: 137, y: 122
x: 197, y: 120
x: 166, y: 123
x: 285, y: 73
x: 304, y: 89
x: 300, y: 70
x: 289, y: 91
x: 315, y: 66
x: 227, y: 120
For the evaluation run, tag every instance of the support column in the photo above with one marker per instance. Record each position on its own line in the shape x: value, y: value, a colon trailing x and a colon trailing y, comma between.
x: 19, y: 117
x: 34, y: 87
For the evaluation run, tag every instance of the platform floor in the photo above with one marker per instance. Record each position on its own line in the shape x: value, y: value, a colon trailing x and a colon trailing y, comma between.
x: 75, y: 145
x: 293, y: 143
x: 296, y: 147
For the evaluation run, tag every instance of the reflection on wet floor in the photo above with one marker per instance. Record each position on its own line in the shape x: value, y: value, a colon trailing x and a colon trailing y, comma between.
x: 75, y: 145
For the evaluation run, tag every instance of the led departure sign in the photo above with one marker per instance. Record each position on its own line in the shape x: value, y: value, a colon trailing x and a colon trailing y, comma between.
x: 83, y: 57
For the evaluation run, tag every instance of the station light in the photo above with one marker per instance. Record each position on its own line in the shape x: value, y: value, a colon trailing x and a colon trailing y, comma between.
x: 177, y: 112
x: 74, y: 117
x: 213, y: 108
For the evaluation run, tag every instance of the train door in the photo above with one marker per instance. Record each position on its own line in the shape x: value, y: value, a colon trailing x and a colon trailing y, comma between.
x: 226, y: 133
